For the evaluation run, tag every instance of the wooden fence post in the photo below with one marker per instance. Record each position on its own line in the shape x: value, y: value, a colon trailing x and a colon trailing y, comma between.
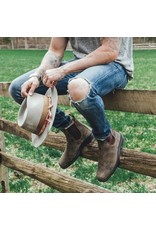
x: 4, y: 178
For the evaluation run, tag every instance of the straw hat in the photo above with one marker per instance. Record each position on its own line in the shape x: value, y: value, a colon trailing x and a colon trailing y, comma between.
x: 37, y: 113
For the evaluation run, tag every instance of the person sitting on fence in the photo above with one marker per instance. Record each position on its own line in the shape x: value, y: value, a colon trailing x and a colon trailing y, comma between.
x: 99, y: 66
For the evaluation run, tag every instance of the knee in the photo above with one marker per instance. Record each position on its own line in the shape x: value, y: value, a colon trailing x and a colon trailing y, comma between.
x: 78, y: 89
x: 15, y: 91
x: 13, y: 88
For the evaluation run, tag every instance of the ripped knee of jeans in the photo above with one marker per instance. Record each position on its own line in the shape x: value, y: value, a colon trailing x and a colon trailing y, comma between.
x: 78, y: 89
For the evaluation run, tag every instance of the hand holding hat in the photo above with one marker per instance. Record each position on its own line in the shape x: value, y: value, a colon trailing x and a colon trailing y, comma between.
x: 37, y: 113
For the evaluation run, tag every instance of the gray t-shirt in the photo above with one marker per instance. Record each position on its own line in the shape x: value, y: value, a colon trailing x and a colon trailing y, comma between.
x: 85, y: 45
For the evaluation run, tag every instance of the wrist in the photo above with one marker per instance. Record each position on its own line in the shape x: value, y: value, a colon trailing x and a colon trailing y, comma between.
x: 36, y: 76
x: 64, y: 70
x: 40, y: 72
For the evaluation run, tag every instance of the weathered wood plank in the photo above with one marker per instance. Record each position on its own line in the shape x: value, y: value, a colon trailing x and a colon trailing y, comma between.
x: 4, y: 178
x: 143, y: 163
x: 4, y: 86
x: 50, y: 177
x: 136, y: 101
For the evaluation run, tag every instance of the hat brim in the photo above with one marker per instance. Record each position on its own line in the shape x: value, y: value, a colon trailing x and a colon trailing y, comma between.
x: 38, y: 140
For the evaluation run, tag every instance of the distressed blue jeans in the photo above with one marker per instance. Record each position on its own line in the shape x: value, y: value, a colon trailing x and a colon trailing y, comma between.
x: 102, y: 79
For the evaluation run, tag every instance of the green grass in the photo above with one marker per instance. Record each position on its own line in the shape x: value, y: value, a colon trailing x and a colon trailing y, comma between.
x: 145, y: 69
x: 139, y: 130
x: 13, y: 63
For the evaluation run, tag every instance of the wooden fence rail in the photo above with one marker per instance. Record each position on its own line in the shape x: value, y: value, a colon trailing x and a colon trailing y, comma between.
x: 136, y: 101
x: 4, y: 179
x: 58, y: 181
x: 143, y: 163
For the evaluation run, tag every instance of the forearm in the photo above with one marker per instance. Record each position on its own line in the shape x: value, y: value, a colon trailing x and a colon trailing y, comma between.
x: 49, y: 61
x: 53, y: 57
x: 86, y: 62
x: 106, y: 53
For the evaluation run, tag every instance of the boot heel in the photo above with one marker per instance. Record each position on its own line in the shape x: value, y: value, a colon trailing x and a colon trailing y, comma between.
x: 122, y: 140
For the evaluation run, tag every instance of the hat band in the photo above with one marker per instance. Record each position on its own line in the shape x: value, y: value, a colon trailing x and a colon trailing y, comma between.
x: 47, y: 122
x: 43, y: 116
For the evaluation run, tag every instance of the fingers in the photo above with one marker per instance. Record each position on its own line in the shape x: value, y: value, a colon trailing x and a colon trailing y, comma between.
x: 32, y: 89
x: 24, y: 90
x: 29, y: 87
x: 47, y: 82
x: 45, y: 79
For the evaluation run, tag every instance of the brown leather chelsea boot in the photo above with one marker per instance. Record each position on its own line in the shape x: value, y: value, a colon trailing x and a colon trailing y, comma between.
x: 77, y: 136
x: 109, y: 155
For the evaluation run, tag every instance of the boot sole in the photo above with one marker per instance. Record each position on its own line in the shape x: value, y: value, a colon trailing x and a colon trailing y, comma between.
x: 84, y: 143
x: 118, y: 160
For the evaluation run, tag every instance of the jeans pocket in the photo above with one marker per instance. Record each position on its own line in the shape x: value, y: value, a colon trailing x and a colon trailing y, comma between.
x: 122, y: 84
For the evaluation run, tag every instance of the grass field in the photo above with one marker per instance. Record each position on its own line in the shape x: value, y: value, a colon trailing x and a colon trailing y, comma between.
x: 139, y: 130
